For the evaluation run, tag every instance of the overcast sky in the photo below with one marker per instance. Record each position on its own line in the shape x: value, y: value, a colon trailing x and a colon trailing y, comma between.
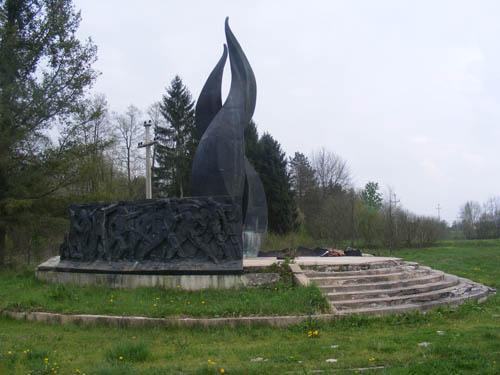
x: 407, y: 92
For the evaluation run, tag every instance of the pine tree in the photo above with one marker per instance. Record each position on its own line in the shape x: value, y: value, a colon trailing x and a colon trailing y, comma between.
x: 271, y: 164
x: 302, y: 178
x: 252, y: 143
x: 176, y: 142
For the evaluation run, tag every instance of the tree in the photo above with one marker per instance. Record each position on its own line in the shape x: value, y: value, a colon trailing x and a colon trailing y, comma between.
x: 157, y: 120
x: 470, y: 214
x: 130, y: 132
x: 176, y: 142
x: 252, y: 143
x: 303, y: 179
x: 371, y: 196
x: 271, y: 164
x: 44, y: 71
x: 492, y: 208
x: 331, y: 171
x: 368, y: 223
x: 92, y: 131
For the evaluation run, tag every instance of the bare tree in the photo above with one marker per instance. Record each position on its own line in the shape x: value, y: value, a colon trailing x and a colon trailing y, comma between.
x: 90, y: 128
x: 130, y: 132
x: 470, y: 214
x: 492, y: 208
x: 331, y: 171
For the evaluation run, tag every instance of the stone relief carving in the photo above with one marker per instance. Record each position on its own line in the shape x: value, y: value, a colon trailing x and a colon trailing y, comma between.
x: 158, y: 230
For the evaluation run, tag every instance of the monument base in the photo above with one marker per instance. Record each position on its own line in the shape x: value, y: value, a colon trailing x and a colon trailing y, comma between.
x: 143, y: 268
x: 60, y: 272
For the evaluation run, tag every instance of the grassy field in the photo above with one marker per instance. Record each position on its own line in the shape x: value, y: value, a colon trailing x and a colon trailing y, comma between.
x: 22, y: 291
x: 463, y: 340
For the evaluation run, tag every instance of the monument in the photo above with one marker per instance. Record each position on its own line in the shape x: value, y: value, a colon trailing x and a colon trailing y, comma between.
x: 204, y: 234
x: 220, y: 166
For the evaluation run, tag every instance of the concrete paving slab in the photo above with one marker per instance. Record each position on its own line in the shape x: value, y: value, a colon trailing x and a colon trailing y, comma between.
x: 333, y: 261
x: 259, y: 262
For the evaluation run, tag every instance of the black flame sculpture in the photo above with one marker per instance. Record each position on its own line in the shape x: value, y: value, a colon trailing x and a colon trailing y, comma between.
x: 220, y: 166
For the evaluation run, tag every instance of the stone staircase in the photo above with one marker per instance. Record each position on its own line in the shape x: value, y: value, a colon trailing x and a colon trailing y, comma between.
x: 391, y: 286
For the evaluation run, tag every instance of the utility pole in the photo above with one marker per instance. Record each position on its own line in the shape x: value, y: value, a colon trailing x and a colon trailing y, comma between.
x: 352, y: 217
x: 391, y: 226
x: 148, y: 145
x: 438, y: 208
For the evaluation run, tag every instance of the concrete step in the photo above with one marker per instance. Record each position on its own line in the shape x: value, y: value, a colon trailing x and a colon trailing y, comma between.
x: 432, y: 277
x: 401, y: 291
x: 417, y: 298
x: 477, y: 292
x: 369, y: 279
x: 376, y: 271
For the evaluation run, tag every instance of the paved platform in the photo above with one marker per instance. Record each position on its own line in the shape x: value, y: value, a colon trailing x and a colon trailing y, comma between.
x: 318, y: 261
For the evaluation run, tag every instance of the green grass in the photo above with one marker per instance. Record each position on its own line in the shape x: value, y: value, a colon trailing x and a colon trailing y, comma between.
x: 470, y: 343
x: 478, y: 260
x: 22, y: 291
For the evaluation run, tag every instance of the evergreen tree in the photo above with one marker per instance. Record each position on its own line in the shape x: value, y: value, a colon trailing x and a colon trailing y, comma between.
x: 252, y: 143
x: 176, y: 142
x: 303, y: 179
x: 271, y: 164
x: 371, y: 196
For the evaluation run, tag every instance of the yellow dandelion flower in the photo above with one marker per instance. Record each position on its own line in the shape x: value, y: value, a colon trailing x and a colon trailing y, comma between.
x: 188, y: 302
x: 178, y: 286
x: 46, y: 359
x: 371, y: 359
x: 171, y: 301
x: 154, y: 304
x: 202, y: 302
x: 120, y: 358
x: 316, y: 333
x: 9, y: 352
x: 110, y: 301
x: 77, y: 371
x: 221, y: 371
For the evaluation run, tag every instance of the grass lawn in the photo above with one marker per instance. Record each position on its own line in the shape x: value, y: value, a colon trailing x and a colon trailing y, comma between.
x: 22, y: 291
x: 461, y: 340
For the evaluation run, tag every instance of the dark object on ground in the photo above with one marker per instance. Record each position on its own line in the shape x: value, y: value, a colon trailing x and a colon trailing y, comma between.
x: 351, y: 252
x: 292, y: 253
x: 201, y: 233
x: 305, y: 252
